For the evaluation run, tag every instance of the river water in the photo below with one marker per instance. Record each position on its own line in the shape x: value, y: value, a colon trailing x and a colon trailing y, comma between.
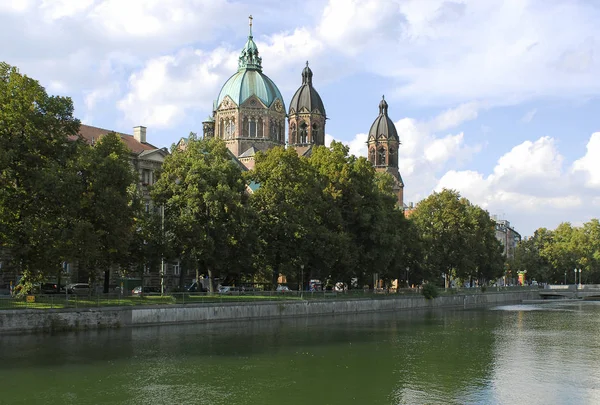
x: 524, y: 354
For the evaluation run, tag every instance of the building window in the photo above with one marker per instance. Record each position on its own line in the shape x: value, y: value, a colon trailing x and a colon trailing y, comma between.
x: 146, y: 177
x: 260, y: 130
x: 245, y: 127
x: 381, y: 157
x: 177, y: 269
x: 303, y: 132
x: 252, y: 128
x: 314, y: 136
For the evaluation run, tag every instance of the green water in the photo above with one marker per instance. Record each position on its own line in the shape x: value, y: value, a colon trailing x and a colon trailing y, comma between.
x: 534, y: 354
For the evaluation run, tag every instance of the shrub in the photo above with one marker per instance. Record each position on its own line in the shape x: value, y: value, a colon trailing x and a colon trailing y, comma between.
x: 430, y: 291
x: 483, y: 288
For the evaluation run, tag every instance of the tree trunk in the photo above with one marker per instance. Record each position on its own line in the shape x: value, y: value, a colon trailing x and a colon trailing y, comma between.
x: 210, y: 281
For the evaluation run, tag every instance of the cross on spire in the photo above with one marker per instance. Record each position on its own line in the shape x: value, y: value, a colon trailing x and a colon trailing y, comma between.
x: 250, y: 20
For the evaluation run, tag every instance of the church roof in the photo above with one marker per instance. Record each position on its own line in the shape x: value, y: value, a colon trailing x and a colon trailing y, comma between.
x: 93, y: 134
x: 383, y: 126
x: 306, y: 96
x: 249, y: 79
x: 250, y: 152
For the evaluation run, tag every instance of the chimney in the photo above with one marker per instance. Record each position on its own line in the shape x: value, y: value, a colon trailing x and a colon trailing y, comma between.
x: 139, y: 133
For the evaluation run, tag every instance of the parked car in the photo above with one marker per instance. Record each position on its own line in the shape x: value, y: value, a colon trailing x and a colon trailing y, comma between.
x: 51, y: 288
x: 147, y: 290
x: 226, y: 289
x: 78, y: 289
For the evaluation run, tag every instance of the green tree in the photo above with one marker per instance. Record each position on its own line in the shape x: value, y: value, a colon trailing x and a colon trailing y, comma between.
x: 372, y: 233
x: 443, y: 223
x: 108, y: 206
x: 207, y: 221
x: 290, y: 207
x: 485, y: 260
x: 37, y: 199
x: 528, y: 257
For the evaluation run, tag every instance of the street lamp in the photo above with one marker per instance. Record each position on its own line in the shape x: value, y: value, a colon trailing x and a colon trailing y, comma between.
x: 407, y: 283
x: 565, y: 277
x: 579, y: 271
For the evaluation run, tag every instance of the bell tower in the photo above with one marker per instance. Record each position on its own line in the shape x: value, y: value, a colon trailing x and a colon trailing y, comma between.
x: 383, y: 143
x: 306, y: 117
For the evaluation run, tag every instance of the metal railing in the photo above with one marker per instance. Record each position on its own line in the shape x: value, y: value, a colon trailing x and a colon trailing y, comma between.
x: 61, y: 301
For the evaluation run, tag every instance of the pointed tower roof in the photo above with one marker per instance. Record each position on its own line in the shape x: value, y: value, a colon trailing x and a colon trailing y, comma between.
x: 249, y: 80
x: 383, y: 126
x: 306, y: 96
x: 249, y: 58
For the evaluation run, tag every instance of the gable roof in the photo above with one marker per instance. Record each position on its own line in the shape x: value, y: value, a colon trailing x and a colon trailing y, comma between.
x: 93, y: 134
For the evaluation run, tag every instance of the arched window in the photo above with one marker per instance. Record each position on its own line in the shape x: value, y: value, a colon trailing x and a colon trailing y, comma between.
x: 253, y: 127
x: 381, y: 157
x: 372, y: 156
x: 314, y: 136
x: 222, y: 128
x: 303, y: 132
x: 245, y: 127
x: 282, y: 131
x: 260, y: 131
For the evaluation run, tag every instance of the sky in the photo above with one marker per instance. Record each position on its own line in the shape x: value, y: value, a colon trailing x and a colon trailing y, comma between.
x: 495, y: 99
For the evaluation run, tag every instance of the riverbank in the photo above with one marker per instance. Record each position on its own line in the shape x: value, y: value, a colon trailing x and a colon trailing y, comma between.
x: 53, y: 320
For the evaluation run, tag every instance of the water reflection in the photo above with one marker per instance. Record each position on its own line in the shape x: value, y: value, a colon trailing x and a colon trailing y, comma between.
x: 508, y: 355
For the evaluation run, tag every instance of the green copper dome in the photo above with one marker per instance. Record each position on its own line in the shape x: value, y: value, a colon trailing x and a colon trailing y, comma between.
x: 246, y: 83
x: 249, y: 79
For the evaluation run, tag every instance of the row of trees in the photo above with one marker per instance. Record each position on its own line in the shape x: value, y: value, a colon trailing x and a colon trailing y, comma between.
x: 552, y: 255
x: 60, y: 200
x: 330, y: 216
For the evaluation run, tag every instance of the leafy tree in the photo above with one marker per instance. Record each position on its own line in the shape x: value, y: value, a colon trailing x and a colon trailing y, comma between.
x: 485, y: 259
x: 105, y: 227
x: 206, y: 217
x: 37, y: 199
x: 290, y: 209
x: 443, y: 223
x: 371, y: 230
x: 528, y: 257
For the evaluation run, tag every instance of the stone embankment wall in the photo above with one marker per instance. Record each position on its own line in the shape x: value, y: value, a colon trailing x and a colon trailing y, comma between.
x: 14, y: 321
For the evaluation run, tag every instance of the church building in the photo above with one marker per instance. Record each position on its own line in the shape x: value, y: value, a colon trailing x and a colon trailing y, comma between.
x: 249, y: 115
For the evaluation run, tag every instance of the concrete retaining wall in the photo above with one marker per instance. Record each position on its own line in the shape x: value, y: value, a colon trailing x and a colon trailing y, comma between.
x: 72, y: 319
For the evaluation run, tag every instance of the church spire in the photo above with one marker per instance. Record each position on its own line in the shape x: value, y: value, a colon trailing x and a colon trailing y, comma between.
x: 383, y: 107
x: 307, y: 75
x: 249, y: 58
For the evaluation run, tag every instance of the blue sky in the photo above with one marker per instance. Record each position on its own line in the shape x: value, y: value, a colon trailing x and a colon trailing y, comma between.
x: 497, y: 99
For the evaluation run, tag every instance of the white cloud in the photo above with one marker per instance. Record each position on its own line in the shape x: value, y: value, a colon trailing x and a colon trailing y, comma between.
x: 358, y: 145
x: 453, y: 117
x: 589, y: 165
x: 529, y: 116
x: 55, y: 9
x: 531, y: 187
x: 170, y: 86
